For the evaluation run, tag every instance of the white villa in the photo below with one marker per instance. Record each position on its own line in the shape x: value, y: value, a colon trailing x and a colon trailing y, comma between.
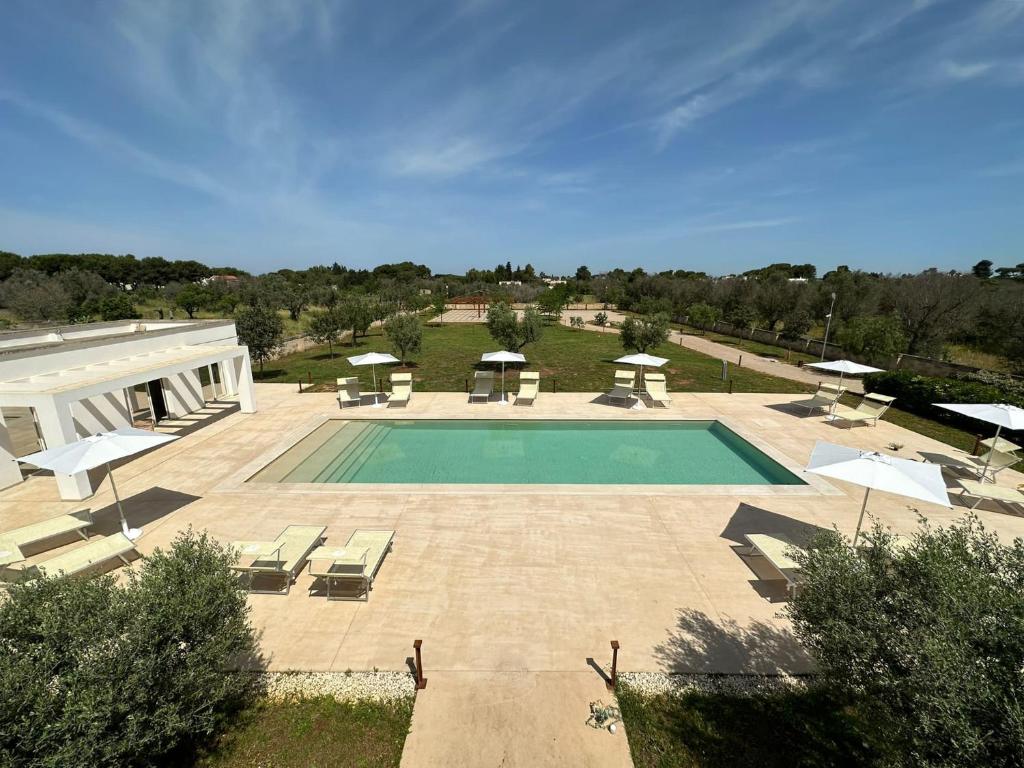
x: 60, y: 384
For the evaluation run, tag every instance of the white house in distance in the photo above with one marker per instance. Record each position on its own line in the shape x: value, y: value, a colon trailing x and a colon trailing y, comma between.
x: 61, y: 384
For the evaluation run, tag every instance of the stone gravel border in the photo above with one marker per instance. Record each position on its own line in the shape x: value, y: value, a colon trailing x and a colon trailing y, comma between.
x: 658, y: 683
x: 343, y: 686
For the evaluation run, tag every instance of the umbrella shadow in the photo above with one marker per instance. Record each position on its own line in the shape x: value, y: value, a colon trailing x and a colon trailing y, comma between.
x: 699, y: 643
x: 141, y: 509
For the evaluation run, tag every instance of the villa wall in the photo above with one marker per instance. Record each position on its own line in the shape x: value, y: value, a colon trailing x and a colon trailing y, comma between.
x: 183, y: 393
x: 101, y: 413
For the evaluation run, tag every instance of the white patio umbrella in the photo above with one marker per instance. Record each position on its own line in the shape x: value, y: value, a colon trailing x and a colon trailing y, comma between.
x: 843, y: 367
x: 103, y: 448
x: 502, y: 357
x: 373, y: 359
x: 880, y: 472
x: 1000, y: 414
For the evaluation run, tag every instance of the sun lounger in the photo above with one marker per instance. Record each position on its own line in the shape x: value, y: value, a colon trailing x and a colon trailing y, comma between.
x: 483, y: 385
x: 401, y: 389
x: 348, y: 391
x: 996, y: 461
x: 356, y: 563
x: 623, y: 389
x: 774, y: 548
x: 93, y: 553
x: 989, y: 492
x: 825, y: 398
x: 76, y: 522
x: 870, y: 409
x: 529, y: 387
x: 655, y: 384
x: 281, y: 558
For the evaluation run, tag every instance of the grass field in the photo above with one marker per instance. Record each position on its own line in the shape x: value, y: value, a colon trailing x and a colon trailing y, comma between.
x: 572, y: 361
x: 315, y: 733
x: 703, y: 730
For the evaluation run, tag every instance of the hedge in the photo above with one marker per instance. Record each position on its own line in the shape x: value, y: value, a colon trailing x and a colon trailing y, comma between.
x: 916, y: 394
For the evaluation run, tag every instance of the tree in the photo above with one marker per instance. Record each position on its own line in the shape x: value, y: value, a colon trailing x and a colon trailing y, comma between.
x: 357, y: 315
x: 96, y: 673
x: 583, y: 273
x: 260, y: 329
x: 601, y: 320
x: 874, y: 338
x: 439, y: 302
x: 644, y: 333
x: 511, y: 332
x: 324, y: 327
x: 703, y: 315
x: 117, y: 306
x: 796, y: 323
x: 577, y: 322
x: 405, y: 331
x: 982, y: 270
x: 924, y: 640
x: 35, y: 297
x: 553, y: 300
x: 931, y: 307
x: 190, y: 297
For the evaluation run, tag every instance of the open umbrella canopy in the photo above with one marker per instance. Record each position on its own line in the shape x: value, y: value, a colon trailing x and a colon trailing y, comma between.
x: 643, y: 359
x: 96, y: 450
x: 844, y: 367
x: 880, y: 472
x: 1002, y: 415
x: 373, y: 358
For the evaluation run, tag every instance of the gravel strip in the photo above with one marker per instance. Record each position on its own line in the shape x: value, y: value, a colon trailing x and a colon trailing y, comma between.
x: 658, y: 683
x: 343, y: 686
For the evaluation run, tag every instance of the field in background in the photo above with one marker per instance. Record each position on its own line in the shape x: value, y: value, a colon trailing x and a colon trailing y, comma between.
x: 573, y: 361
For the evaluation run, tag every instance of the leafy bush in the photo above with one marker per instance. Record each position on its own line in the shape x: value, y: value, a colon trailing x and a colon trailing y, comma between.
x: 916, y: 393
x: 96, y: 674
x: 644, y: 333
x: 928, y: 639
x: 875, y: 338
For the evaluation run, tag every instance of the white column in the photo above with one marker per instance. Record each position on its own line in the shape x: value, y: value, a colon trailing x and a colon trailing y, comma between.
x: 229, y: 376
x: 58, y: 428
x: 10, y: 470
x: 246, y: 388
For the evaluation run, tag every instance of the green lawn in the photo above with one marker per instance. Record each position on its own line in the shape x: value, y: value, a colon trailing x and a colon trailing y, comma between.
x: 315, y: 733
x: 720, y: 730
x: 573, y: 361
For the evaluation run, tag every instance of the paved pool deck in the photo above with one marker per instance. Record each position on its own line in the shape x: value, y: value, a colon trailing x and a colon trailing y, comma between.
x: 506, y: 579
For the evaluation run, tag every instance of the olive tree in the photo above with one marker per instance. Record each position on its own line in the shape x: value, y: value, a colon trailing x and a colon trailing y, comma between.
x: 405, y: 331
x: 260, y: 329
x: 703, y: 315
x: 926, y: 640
x: 95, y: 673
x: 324, y: 327
x: 644, y: 333
x: 511, y: 332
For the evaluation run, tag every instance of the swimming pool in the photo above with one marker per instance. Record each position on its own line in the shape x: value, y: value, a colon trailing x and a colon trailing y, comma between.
x: 528, y: 452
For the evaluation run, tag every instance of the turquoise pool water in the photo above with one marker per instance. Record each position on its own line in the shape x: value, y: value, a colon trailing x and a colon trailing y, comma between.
x: 527, y: 452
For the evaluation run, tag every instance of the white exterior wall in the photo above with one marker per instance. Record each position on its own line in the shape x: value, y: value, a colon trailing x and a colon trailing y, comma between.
x: 101, y: 413
x: 183, y: 393
x: 10, y: 470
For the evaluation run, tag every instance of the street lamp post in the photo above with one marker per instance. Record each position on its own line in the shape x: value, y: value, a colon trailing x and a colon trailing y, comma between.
x: 828, y: 325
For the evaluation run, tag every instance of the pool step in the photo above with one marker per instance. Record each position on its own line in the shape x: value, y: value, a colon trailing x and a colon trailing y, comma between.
x: 356, y: 433
x: 359, y: 456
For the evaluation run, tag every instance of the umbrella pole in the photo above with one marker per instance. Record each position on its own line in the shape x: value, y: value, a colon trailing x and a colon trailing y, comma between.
x: 503, y: 381
x: 860, y: 519
x: 131, y: 533
x: 373, y: 372
x: 995, y: 442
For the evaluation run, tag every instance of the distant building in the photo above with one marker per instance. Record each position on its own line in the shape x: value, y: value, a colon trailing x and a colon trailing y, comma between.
x: 550, y: 281
x: 510, y: 282
x: 798, y: 279
x: 224, y: 279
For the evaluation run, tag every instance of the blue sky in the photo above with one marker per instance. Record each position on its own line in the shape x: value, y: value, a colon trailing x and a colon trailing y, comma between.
x: 884, y: 134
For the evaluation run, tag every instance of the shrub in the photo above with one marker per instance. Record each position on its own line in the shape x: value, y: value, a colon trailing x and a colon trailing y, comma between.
x: 927, y: 639
x: 874, y: 338
x: 99, y: 674
x: 917, y: 394
x: 644, y: 333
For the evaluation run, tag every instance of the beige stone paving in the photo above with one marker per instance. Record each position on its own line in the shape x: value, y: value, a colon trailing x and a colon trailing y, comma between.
x: 507, y: 579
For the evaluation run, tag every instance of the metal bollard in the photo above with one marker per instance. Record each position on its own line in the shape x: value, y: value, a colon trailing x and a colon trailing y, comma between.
x: 730, y: 386
x: 615, y: 665
x: 421, y: 681
x: 740, y: 363
x: 300, y: 386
